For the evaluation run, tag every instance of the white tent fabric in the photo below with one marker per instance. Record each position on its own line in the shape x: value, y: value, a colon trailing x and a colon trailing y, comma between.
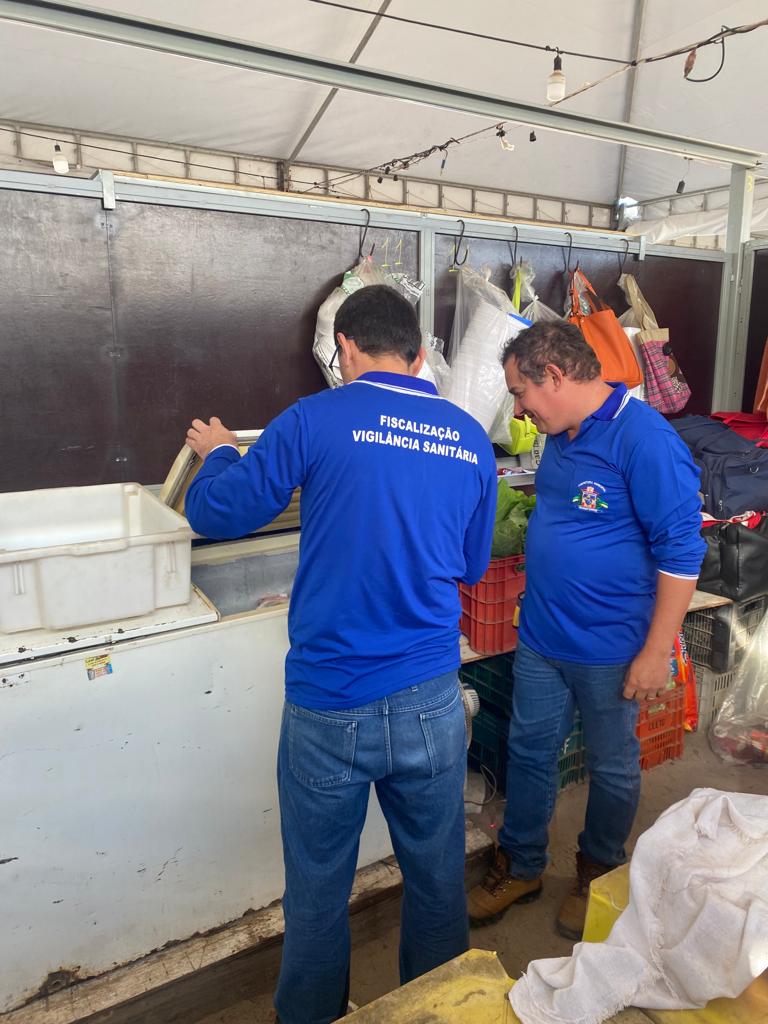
x: 703, y: 222
x: 57, y: 79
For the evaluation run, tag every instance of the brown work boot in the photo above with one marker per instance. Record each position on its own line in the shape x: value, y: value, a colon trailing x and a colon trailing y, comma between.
x: 497, y: 892
x: 573, y: 912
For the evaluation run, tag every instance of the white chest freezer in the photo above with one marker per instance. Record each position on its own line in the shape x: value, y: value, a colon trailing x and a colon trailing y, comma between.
x: 137, y: 769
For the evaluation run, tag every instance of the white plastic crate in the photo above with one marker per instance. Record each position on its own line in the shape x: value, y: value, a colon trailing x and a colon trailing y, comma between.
x: 712, y: 688
x: 719, y: 637
x: 71, y: 556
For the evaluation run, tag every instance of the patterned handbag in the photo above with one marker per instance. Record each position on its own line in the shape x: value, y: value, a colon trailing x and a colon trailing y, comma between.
x: 666, y: 388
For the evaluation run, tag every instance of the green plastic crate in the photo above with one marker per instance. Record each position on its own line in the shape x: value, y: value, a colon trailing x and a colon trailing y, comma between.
x: 492, y: 678
x: 489, y: 749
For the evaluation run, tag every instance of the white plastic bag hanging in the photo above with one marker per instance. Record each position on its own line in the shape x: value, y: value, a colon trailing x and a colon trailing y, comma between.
x: 484, y: 321
x: 366, y: 273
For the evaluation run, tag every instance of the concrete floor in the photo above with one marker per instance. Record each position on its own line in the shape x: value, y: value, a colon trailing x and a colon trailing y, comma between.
x: 525, y: 933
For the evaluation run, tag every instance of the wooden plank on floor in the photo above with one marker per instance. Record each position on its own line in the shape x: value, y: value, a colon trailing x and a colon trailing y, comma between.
x: 182, y: 961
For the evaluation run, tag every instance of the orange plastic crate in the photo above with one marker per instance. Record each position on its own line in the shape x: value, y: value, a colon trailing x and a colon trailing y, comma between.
x: 667, y: 712
x: 660, y: 747
x: 488, y: 607
x: 660, y: 728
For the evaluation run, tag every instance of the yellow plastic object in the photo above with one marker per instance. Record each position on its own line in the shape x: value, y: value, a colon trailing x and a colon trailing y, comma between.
x: 522, y: 434
x: 750, y: 1008
x: 608, y: 896
x: 472, y: 989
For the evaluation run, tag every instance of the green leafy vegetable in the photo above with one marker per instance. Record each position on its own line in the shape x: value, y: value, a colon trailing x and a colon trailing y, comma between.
x: 513, y: 509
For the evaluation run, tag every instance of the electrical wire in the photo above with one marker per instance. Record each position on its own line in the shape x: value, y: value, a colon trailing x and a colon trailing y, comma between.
x: 403, y: 163
x: 471, y: 34
x: 711, y: 77
x: 717, y: 37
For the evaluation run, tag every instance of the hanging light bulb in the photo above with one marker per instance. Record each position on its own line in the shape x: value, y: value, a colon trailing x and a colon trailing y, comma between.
x: 681, y: 184
x: 556, y: 81
x: 60, y: 162
x: 532, y: 137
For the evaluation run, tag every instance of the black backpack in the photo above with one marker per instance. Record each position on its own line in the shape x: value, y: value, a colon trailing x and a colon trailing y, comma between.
x: 734, y: 472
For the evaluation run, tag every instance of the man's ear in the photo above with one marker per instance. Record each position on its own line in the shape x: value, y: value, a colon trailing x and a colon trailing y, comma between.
x: 555, y: 374
x: 345, y: 344
x: 417, y: 363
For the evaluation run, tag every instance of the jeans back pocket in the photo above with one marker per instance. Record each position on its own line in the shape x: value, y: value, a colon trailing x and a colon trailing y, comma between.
x: 321, y: 748
x: 445, y: 734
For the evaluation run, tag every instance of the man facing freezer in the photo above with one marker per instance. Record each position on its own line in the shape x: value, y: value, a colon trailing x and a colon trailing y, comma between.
x: 613, y: 552
x: 398, y: 497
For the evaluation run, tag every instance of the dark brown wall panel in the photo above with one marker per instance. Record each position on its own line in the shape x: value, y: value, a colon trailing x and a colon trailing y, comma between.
x: 111, y: 342
x: 684, y: 294
x: 215, y: 315
x: 57, y: 381
x: 758, y: 328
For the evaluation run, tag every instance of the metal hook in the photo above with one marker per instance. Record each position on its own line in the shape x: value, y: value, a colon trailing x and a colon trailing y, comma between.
x: 513, y: 252
x: 364, y: 235
x: 568, y: 266
x: 456, y: 261
x: 623, y: 257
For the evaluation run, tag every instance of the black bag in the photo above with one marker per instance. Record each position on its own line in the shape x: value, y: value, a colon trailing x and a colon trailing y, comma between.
x: 736, y: 562
x: 734, y: 471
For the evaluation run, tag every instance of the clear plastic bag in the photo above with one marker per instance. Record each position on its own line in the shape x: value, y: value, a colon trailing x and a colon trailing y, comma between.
x: 434, y: 362
x: 531, y: 306
x: 739, y: 734
x: 363, y: 275
x: 484, y: 321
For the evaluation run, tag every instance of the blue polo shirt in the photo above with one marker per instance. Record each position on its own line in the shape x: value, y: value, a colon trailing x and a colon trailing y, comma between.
x: 614, y: 507
x: 398, y: 501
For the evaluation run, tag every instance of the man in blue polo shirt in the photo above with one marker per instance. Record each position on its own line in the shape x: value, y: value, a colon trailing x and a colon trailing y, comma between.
x: 612, y: 556
x: 398, y: 499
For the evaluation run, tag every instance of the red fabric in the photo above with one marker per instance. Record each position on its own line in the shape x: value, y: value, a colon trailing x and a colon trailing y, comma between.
x: 751, y: 425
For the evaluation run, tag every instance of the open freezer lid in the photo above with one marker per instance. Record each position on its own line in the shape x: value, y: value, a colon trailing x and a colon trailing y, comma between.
x: 186, y: 466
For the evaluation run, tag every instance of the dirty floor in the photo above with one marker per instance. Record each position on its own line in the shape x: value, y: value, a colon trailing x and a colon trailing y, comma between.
x: 526, y: 933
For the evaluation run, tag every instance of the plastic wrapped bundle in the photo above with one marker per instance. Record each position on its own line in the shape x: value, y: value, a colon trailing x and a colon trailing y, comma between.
x: 485, y: 320
x: 739, y: 734
x: 366, y: 273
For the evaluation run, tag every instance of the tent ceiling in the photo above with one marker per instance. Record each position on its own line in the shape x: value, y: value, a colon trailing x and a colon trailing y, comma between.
x: 53, y: 78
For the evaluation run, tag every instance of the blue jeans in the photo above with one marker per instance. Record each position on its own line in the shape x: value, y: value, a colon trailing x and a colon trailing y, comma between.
x: 543, y: 700
x: 412, y: 746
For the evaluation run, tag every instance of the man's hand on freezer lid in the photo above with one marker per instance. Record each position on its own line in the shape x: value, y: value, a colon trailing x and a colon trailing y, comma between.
x: 203, y: 437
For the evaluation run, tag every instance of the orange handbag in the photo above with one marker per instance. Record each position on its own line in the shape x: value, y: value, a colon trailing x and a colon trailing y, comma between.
x: 604, y: 334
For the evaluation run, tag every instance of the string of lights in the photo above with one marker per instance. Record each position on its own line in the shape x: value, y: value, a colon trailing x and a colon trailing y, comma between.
x: 556, y: 93
x: 556, y: 85
x: 716, y: 38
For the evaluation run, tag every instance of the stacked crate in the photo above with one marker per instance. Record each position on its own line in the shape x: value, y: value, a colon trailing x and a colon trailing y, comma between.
x: 492, y: 679
x: 488, y: 607
x: 660, y: 726
x: 717, y: 640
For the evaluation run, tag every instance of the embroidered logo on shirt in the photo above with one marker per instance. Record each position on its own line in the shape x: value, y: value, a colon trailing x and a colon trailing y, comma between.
x: 590, y: 497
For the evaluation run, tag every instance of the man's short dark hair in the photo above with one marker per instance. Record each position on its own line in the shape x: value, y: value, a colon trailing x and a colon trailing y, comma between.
x: 555, y: 342
x: 380, y: 321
